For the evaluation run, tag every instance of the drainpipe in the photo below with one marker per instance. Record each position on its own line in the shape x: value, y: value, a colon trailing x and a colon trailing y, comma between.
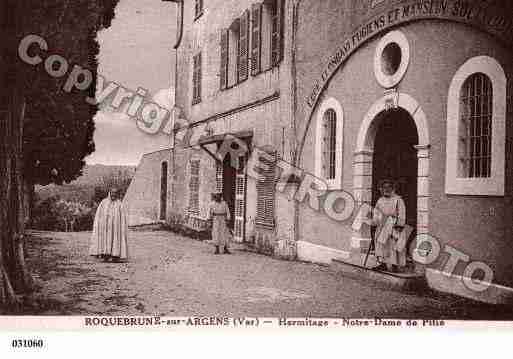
x: 295, y: 13
x: 179, y: 24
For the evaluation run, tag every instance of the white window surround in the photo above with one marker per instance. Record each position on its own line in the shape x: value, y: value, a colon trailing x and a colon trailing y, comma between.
x: 333, y: 104
x: 494, y: 185
x: 386, y: 80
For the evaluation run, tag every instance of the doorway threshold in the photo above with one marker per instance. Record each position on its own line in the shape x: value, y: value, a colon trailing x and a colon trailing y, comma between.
x: 403, y: 282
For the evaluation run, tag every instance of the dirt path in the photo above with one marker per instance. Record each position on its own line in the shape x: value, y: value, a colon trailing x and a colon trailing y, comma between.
x: 174, y: 276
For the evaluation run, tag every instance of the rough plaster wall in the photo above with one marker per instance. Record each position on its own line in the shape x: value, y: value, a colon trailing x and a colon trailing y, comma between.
x: 480, y: 227
x: 143, y: 196
x: 204, y: 35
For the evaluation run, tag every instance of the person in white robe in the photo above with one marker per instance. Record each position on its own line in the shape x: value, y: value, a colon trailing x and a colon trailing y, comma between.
x: 219, y: 216
x: 389, y: 215
x: 110, y: 232
x: 98, y: 244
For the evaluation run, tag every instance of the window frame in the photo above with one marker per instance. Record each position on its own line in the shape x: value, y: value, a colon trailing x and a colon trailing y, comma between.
x: 243, y: 47
x: 251, y: 63
x: 224, y: 59
x: 190, y: 210
x: 255, y: 47
x: 232, y: 77
x: 330, y: 104
x: 196, y: 78
x: 477, y: 186
x: 473, y: 158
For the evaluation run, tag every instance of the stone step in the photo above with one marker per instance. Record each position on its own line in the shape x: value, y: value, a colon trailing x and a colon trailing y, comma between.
x: 404, y: 282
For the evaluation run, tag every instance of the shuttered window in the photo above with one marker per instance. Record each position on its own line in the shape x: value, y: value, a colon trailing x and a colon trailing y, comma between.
x: 266, y: 186
x: 240, y: 201
x: 198, y: 8
x: 196, y: 79
x: 243, y: 46
x: 256, y: 39
x: 277, y: 32
x: 219, y: 177
x: 194, y: 187
x: 223, y: 72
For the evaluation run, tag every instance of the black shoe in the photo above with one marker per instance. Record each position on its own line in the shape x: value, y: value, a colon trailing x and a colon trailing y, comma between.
x: 217, y: 250
x: 226, y: 251
x: 382, y: 268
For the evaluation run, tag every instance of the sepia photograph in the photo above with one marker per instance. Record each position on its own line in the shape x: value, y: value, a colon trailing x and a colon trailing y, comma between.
x: 173, y: 164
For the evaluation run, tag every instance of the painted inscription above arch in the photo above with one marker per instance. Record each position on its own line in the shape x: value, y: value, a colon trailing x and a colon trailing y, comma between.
x: 475, y: 13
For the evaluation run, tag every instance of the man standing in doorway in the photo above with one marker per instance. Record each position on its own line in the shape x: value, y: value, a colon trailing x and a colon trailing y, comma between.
x: 389, y: 206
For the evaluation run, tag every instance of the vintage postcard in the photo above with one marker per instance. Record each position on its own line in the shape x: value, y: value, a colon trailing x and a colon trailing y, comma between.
x: 169, y: 165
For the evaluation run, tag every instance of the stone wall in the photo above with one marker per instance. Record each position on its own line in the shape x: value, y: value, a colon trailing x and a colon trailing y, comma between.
x: 143, y: 196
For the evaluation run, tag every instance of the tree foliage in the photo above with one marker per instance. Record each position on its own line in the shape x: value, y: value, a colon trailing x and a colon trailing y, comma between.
x: 59, y: 127
x: 58, y: 132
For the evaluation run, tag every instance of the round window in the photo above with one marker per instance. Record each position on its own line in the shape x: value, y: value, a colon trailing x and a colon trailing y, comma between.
x: 392, y: 59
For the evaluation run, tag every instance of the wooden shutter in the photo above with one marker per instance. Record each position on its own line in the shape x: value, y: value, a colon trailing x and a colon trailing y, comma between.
x: 277, y: 33
x: 194, y: 183
x: 223, y: 73
x: 256, y: 39
x: 266, y: 186
x: 196, y: 79
x: 239, y: 224
x: 242, y: 64
x: 219, y: 176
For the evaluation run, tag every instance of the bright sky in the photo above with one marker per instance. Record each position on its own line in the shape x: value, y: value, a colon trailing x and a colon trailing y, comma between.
x: 136, y: 51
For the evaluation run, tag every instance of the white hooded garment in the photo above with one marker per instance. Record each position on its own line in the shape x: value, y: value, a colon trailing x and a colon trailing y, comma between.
x: 117, y: 231
x: 99, y: 236
x: 110, y: 230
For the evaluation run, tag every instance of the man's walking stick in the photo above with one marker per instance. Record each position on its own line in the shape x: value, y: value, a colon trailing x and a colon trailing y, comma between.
x: 368, y: 250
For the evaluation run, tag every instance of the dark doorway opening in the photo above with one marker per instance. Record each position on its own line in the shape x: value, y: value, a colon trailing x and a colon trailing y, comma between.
x: 229, y: 177
x: 395, y: 157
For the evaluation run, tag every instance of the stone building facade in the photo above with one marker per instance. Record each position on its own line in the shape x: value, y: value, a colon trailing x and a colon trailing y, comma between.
x: 233, y: 76
x: 418, y: 91
x: 421, y: 91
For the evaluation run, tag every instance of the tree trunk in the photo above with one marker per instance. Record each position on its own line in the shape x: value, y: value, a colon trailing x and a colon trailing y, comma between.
x: 9, y: 197
x: 28, y: 205
x: 25, y: 279
x: 14, y: 275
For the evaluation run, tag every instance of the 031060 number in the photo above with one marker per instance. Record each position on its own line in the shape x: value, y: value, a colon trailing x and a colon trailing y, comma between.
x: 27, y: 343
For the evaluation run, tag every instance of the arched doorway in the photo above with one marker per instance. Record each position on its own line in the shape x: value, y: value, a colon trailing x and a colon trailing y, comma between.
x: 395, y: 157
x: 394, y: 125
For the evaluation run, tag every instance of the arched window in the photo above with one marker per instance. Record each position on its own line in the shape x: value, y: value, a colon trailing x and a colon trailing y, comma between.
x: 476, y: 127
x: 329, y: 142
x: 476, y: 114
x: 329, y: 146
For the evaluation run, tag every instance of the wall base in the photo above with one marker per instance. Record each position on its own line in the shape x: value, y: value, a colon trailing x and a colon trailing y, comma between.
x: 309, y: 252
x: 450, y: 283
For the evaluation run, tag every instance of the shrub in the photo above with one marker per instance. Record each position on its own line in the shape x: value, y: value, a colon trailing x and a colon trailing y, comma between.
x: 55, y: 214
